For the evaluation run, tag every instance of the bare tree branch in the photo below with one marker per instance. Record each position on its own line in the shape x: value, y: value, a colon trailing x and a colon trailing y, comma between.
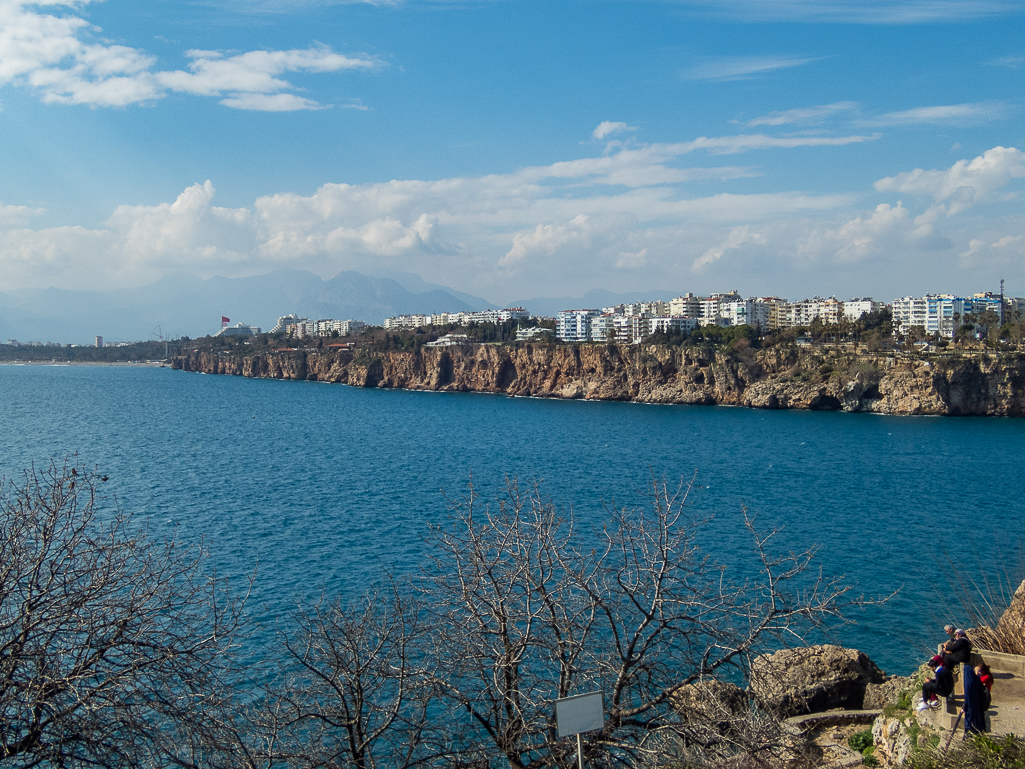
x: 114, y: 648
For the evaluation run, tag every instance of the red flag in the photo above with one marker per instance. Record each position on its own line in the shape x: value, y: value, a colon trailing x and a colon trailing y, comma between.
x: 225, y: 321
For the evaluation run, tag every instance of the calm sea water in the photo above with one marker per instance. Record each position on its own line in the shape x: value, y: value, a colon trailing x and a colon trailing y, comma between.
x: 322, y: 485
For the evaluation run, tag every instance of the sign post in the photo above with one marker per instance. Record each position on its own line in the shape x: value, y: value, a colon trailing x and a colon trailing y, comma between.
x: 578, y: 714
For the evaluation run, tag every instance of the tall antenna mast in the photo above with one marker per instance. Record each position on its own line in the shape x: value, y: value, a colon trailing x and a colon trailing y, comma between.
x: 1001, y: 301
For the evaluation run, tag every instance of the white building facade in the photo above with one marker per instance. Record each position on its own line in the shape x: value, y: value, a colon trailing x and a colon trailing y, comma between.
x: 855, y: 308
x: 575, y: 325
x: 936, y: 313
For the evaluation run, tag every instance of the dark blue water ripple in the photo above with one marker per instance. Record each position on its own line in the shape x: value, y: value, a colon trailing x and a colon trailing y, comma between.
x: 325, y: 485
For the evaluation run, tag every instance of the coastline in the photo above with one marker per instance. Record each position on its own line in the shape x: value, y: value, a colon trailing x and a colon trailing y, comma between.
x: 121, y: 363
x: 774, y: 378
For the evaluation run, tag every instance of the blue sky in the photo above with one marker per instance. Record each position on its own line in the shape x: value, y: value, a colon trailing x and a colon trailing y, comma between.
x: 516, y: 149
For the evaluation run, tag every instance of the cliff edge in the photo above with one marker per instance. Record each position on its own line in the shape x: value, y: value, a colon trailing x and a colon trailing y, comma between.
x: 774, y: 378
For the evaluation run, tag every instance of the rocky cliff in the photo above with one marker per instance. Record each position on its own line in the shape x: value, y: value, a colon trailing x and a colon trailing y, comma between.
x: 773, y: 378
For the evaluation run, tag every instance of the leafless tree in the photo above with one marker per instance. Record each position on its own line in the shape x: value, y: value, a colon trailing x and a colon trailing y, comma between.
x: 113, y: 645
x: 358, y: 696
x: 526, y: 610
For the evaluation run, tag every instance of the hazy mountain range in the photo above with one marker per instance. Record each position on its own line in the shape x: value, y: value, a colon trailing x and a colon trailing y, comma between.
x: 184, y: 305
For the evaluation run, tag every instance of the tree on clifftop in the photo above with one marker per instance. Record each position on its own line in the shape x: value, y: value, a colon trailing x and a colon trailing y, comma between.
x: 112, y: 645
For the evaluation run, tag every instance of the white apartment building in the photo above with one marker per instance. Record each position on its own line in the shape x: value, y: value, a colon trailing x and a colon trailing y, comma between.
x: 802, y: 313
x: 285, y: 322
x: 407, y: 321
x: 458, y: 318
x: 1014, y: 308
x: 671, y: 324
x: 513, y: 313
x: 830, y: 310
x: 855, y: 308
x: 709, y: 312
x: 631, y: 329
x: 343, y: 327
x: 575, y: 325
x: 745, y: 311
x: 304, y: 327
x: 648, y: 309
x: 686, y: 306
x: 773, y: 309
x: 933, y: 312
x: 602, y: 328
x: 986, y: 302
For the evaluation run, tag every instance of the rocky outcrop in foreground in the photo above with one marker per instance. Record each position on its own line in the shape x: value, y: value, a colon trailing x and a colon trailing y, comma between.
x: 774, y: 378
x: 815, y: 679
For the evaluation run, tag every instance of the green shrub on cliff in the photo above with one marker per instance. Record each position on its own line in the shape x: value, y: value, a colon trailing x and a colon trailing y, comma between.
x: 860, y: 740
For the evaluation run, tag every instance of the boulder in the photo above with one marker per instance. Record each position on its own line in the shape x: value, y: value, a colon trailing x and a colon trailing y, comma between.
x: 814, y: 679
x: 713, y: 703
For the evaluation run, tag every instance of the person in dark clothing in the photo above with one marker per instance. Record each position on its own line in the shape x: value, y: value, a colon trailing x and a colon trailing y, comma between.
x: 940, y: 686
x: 974, y: 707
x: 958, y: 651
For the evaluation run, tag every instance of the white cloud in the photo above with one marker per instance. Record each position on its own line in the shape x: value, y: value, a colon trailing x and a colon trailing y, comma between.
x: 974, y: 247
x: 861, y: 237
x: 631, y: 261
x: 270, y: 102
x: 255, y: 72
x: 892, y: 230
x: 1000, y: 251
x: 725, y: 145
x: 190, y: 230
x: 963, y: 184
x: 55, y: 56
x: 1010, y: 62
x: 952, y: 114
x: 804, y: 115
x: 607, y: 127
x: 17, y: 216
x: 973, y: 113
x: 626, y: 217
x: 739, y: 236
x: 862, y: 12
x: 546, y: 239
x: 742, y: 67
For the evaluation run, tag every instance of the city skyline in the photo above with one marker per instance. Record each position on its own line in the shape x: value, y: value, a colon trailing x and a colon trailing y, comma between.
x: 512, y: 149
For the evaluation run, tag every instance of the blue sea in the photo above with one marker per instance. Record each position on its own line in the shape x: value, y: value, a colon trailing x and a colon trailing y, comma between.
x: 321, y: 488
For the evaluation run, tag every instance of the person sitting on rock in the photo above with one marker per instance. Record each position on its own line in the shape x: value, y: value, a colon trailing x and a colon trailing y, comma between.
x: 958, y: 651
x: 940, y: 686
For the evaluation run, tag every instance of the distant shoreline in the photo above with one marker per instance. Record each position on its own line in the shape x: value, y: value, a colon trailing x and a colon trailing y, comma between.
x: 142, y: 363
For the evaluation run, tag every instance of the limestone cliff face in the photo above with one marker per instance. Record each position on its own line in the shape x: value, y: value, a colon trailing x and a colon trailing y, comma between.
x: 774, y: 378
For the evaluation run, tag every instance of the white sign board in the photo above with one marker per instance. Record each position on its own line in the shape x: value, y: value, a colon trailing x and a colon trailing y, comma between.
x: 582, y: 713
